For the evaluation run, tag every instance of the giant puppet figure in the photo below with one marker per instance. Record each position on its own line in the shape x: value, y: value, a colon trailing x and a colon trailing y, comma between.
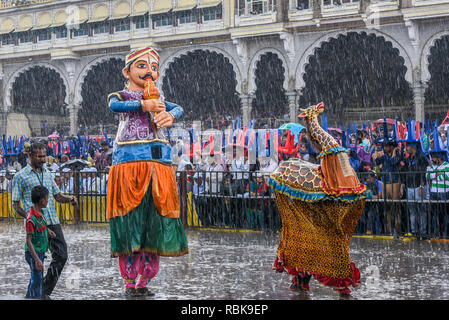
x: 142, y: 199
x: 320, y: 206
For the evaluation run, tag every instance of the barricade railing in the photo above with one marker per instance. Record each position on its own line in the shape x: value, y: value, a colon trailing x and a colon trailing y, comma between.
x: 88, y: 187
x: 242, y: 200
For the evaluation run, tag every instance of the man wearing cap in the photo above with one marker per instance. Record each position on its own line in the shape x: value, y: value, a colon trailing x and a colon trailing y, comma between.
x: 23, y: 156
x: 143, y: 206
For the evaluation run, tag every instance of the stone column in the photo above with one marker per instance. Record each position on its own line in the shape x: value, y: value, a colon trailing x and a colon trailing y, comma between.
x: 73, y: 109
x: 246, y: 108
x: 293, y: 109
x: 3, y: 113
x: 282, y: 11
x: 418, y: 91
x: 3, y: 122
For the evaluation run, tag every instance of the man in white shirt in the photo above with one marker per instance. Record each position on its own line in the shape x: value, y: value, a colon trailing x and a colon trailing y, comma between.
x: 9, y: 178
x: 214, y: 179
x: 13, y: 164
x: 66, y: 181
x: 92, y: 184
x: 3, y: 181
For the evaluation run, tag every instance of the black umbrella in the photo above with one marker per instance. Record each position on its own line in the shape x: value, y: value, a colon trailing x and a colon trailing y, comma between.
x: 76, y: 164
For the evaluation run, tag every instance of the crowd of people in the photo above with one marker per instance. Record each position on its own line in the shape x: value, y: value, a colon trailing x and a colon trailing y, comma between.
x: 392, y: 171
x: 92, y: 179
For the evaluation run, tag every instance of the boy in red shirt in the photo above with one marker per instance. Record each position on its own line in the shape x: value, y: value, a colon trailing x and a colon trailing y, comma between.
x: 37, y: 241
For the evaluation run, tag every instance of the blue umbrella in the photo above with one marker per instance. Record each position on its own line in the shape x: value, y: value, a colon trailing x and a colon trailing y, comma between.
x: 295, y: 129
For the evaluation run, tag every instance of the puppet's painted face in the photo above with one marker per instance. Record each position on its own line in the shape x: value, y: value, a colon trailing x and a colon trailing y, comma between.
x: 143, y: 68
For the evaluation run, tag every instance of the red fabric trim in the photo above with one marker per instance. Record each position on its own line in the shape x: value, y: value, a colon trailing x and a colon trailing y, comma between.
x: 360, y: 189
x: 338, y: 284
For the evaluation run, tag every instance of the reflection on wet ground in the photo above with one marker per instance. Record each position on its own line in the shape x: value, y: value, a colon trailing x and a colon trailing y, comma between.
x: 226, y: 265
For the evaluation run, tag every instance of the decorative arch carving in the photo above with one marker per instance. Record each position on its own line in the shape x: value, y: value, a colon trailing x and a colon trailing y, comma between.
x: 253, y: 65
x: 425, y: 54
x: 166, y: 63
x: 9, y: 84
x: 85, y: 71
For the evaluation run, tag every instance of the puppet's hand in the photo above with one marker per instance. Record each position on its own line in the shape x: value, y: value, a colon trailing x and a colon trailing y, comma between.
x: 164, y: 119
x: 152, y: 105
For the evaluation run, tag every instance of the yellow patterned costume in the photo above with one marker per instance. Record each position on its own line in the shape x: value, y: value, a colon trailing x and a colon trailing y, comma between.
x: 320, y: 206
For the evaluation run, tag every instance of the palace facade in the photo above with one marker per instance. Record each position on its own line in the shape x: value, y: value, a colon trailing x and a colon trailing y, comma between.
x: 309, y: 50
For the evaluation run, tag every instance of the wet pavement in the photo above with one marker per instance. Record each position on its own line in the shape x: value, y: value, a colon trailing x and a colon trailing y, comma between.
x: 226, y: 265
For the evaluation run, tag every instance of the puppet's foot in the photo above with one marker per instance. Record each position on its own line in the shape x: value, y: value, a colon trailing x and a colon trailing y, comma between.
x: 300, y: 284
x: 345, y: 294
x: 131, y: 292
x: 144, y: 292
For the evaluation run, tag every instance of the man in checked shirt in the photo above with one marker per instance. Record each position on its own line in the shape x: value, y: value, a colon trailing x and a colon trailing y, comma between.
x: 25, y: 180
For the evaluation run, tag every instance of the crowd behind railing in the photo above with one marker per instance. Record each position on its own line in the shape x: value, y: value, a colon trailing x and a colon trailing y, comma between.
x: 243, y: 200
x: 410, y: 189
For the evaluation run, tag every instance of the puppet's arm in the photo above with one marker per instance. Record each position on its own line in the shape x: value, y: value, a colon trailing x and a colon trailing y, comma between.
x: 116, y: 105
x: 175, y: 110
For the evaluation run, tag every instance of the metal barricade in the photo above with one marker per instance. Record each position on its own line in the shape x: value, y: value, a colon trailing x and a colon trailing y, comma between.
x: 237, y: 200
x: 402, y: 203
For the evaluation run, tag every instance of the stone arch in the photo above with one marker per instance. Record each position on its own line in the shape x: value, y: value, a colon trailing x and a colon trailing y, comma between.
x: 166, y: 63
x: 434, y: 76
x: 303, y: 61
x: 103, y: 77
x: 358, y: 75
x: 268, y: 94
x: 425, y: 54
x: 79, y: 81
x: 9, y: 84
x: 211, y: 95
x: 253, y: 65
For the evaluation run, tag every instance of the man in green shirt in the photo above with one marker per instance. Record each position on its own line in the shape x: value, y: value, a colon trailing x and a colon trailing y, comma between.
x: 438, y: 175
